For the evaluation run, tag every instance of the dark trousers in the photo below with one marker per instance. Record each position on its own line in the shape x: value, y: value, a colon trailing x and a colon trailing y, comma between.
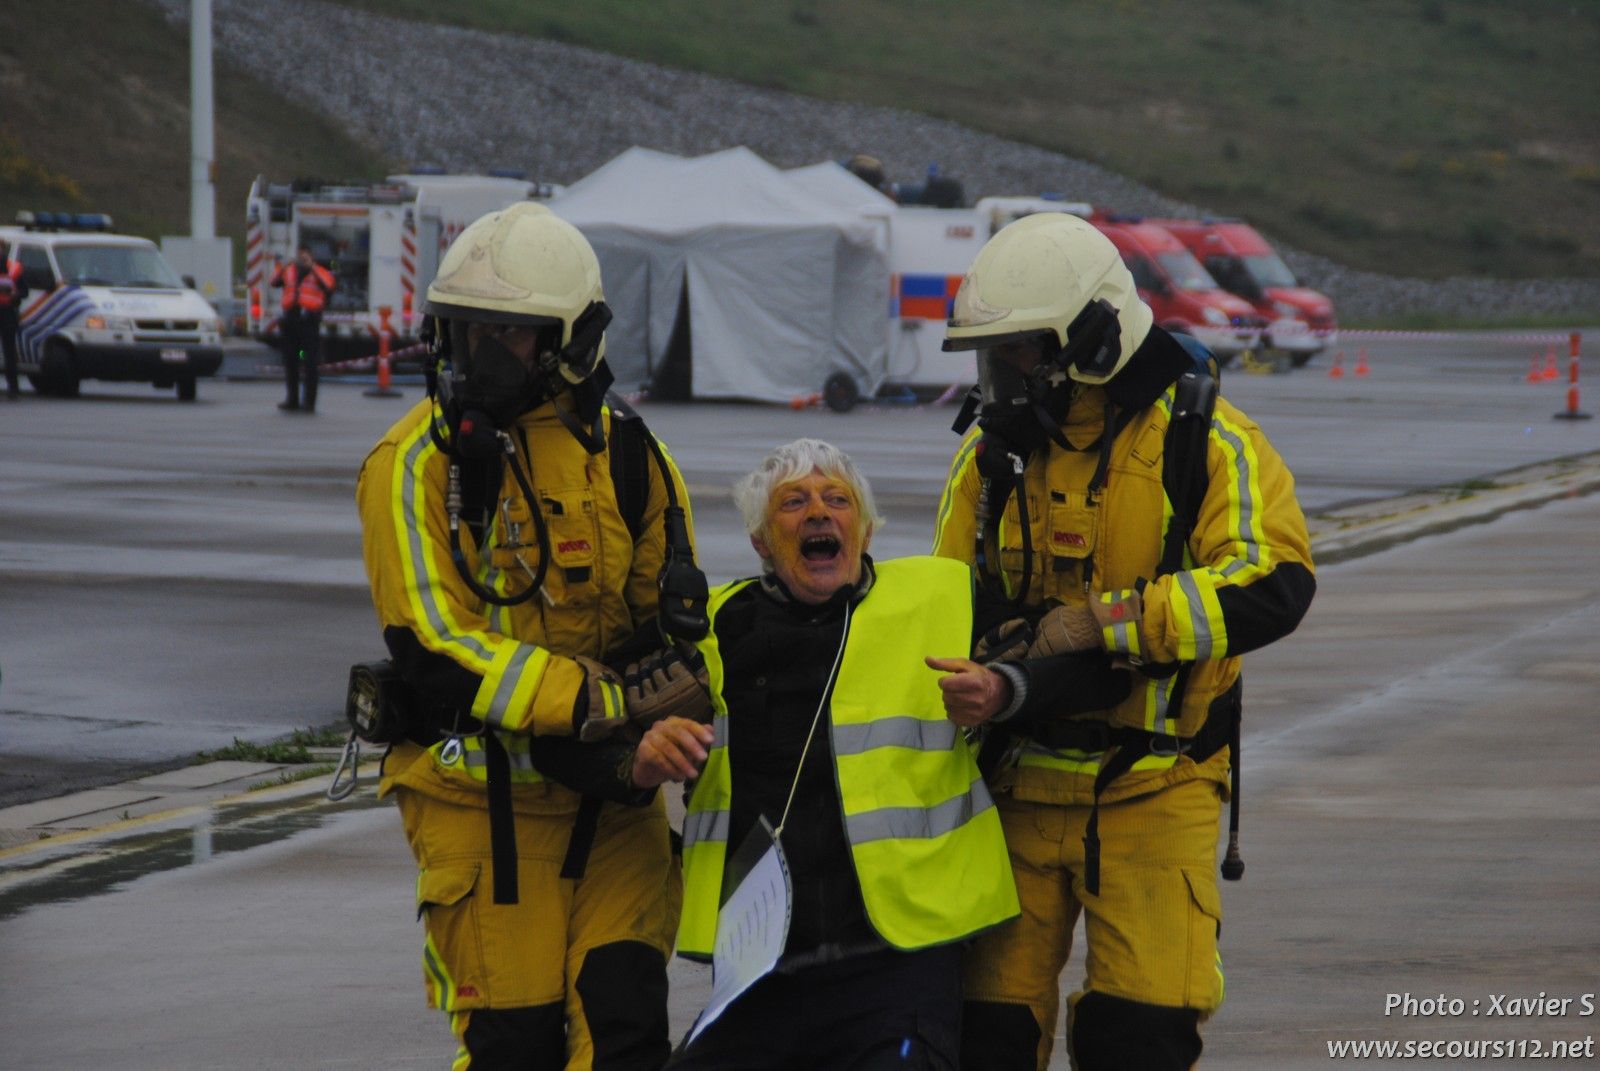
x: 301, y: 335
x: 875, y: 1012
x: 8, y: 343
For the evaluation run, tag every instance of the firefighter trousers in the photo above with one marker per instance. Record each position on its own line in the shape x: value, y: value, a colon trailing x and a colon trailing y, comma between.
x: 571, y: 976
x: 1152, y: 968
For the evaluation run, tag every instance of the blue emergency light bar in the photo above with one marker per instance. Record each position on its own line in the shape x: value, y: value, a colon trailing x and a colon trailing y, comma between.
x: 64, y: 221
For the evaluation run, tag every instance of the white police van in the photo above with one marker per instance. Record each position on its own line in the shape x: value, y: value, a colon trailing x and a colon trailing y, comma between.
x: 106, y: 306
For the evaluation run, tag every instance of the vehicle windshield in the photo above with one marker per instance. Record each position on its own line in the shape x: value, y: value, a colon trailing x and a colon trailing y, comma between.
x: 116, y: 265
x: 1186, y: 272
x: 1269, y: 270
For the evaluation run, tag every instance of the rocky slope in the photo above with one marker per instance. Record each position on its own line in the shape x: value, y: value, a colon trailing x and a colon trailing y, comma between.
x: 468, y: 100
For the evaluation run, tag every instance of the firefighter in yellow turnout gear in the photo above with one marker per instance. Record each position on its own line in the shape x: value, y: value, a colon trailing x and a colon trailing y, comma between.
x: 505, y: 565
x: 1058, y: 500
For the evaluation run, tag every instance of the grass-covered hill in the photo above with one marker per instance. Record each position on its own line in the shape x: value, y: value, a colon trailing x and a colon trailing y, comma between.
x: 1409, y: 137
x: 1413, y: 137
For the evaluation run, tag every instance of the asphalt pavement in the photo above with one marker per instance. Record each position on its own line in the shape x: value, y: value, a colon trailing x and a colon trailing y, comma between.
x: 1420, y: 804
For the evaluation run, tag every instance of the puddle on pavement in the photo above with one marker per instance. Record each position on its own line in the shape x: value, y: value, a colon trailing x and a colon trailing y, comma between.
x: 85, y: 868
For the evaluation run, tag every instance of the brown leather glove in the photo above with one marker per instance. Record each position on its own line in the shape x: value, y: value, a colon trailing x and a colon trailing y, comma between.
x: 1007, y: 641
x: 1063, y: 629
x: 600, y: 711
x: 669, y: 683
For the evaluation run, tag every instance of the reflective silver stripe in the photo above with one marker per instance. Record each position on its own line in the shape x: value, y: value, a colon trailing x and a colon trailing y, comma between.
x: 1247, y: 506
x: 1233, y: 566
x: 705, y: 827
x: 899, y: 731
x: 719, y: 731
x: 419, y: 559
x: 475, y: 758
x: 957, y: 469
x: 919, y: 823
x: 1124, y: 638
x: 507, y: 685
x: 1163, y: 697
x: 1198, y: 622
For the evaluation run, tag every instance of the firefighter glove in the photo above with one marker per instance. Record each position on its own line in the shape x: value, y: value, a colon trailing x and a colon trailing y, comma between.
x: 1006, y: 642
x: 599, y: 711
x: 1063, y: 629
x: 668, y: 683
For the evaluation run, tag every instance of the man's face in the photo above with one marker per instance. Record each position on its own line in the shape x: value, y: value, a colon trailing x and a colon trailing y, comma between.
x: 814, y: 537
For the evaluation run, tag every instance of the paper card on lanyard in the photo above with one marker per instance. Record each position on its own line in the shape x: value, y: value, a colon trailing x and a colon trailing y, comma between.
x: 752, y: 924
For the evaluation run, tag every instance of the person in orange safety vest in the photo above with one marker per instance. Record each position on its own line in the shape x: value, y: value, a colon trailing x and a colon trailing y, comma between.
x: 306, y: 286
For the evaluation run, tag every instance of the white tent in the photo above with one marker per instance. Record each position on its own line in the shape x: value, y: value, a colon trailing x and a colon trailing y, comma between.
x: 730, y: 279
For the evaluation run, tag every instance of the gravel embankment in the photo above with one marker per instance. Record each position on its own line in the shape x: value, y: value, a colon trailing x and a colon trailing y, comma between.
x: 469, y: 101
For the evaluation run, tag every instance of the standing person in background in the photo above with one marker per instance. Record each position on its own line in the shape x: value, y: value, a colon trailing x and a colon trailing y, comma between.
x: 515, y: 536
x: 1097, y: 427
x: 12, y: 290
x: 306, y: 286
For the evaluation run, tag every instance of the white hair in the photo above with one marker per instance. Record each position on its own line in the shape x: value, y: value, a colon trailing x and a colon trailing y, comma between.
x: 795, y: 461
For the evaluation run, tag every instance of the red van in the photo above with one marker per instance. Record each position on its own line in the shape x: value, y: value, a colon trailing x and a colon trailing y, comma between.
x: 1182, y: 294
x: 1299, y: 321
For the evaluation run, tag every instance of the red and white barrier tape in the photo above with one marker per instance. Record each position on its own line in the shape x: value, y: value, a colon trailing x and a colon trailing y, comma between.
x: 1534, y: 337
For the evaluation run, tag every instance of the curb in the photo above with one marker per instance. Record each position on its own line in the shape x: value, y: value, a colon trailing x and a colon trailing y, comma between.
x: 1345, y: 532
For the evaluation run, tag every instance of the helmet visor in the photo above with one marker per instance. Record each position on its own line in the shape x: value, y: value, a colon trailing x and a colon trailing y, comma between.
x: 1010, y: 373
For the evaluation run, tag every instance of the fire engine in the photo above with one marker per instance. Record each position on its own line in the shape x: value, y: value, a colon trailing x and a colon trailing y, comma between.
x: 381, y: 240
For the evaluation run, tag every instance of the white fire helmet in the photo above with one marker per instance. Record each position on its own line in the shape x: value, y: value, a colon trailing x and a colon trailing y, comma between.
x: 1054, y: 278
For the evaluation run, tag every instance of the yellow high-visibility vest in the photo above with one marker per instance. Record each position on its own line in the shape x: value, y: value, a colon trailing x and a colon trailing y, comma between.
x: 924, y: 835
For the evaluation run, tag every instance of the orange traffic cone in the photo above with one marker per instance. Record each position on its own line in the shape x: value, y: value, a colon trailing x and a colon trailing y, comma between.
x: 1338, y: 366
x: 1550, y: 369
x: 1534, y: 375
x: 1361, y: 363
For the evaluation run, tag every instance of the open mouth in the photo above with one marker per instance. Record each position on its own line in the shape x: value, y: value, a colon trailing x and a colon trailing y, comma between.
x: 819, y: 548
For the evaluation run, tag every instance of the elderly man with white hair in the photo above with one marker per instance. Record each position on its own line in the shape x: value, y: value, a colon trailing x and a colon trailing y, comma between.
x: 831, y: 727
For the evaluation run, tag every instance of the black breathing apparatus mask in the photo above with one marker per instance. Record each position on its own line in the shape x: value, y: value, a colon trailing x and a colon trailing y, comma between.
x: 482, y: 389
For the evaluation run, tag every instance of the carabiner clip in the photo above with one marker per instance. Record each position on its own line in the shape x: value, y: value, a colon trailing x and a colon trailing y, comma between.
x: 352, y: 755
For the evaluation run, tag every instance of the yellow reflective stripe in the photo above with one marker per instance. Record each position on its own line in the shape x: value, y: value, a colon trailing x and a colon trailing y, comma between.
x: 432, y: 616
x: 1243, y: 484
x: 958, y: 468
x: 1157, y: 698
x: 1222, y: 980
x: 441, y: 986
x: 1193, y: 597
x: 1084, y: 763
x: 459, y: 1022
x: 509, y: 683
x: 1121, y: 636
x: 476, y: 763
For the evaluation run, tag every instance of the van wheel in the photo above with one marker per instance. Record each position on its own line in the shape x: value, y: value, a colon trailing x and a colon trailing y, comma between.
x: 186, y: 389
x: 58, y: 370
x: 37, y: 383
x: 840, y: 392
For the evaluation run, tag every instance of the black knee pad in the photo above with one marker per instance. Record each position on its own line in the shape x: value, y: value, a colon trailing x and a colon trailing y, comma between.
x: 623, y: 987
x: 1112, y: 1034
x: 998, y: 1037
x: 520, y: 1038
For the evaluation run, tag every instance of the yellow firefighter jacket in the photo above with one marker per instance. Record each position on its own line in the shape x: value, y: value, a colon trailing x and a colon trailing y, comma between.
x: 512, y: 667
x: 1247, y: 581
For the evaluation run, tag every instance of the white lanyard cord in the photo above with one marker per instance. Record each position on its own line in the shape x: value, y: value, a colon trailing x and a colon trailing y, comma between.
x: 827, y: 690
